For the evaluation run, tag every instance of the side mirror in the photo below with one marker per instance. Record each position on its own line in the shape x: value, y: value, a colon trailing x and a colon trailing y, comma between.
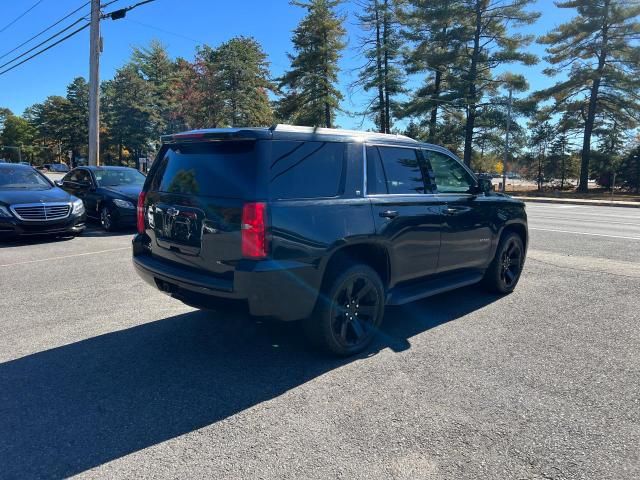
x: 485, y: 185
x: 58, y: 183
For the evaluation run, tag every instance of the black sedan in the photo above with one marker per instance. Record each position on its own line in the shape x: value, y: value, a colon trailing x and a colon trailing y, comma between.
x: 110, y: 194
x: 30, y: 204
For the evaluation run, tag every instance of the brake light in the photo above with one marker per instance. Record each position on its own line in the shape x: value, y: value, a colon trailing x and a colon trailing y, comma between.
x: 254, y: 231
x: 140, y: 212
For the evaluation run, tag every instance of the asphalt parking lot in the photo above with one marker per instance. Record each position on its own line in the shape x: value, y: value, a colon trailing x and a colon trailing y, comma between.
x: 102, y: 376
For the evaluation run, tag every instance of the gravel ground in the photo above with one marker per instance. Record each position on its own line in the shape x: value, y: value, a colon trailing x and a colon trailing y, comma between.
x: 103, y: 377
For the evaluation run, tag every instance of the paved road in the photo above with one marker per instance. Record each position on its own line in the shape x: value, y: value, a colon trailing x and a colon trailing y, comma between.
x: 104, y: 377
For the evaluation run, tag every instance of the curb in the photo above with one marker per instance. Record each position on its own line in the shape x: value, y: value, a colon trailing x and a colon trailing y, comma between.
x: 577, y: 201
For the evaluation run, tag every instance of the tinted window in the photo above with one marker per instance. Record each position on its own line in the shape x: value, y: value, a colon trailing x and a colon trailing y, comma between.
x: 23, y: 179
x: 121, y: 176
x: 401, y: 169
x: 450, y: 176
x: 376, y: 182
x: 306, y: 169
x: 83, y: 177
x: 216, y: 169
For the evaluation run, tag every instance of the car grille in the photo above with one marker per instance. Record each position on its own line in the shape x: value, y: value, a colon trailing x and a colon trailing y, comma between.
x: 41, y: 211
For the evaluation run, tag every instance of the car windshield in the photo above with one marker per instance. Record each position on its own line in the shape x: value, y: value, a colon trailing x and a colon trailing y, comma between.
x: 22, y: 178
x: 59, y: 168
x: 112, y: 178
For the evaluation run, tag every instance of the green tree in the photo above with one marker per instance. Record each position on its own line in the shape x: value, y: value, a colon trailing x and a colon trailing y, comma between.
x: 16, y: 132
x: 436, y: 36
x: 311, y: 96
x: 380, y: 45
x: 50, y: 122
x: 128, y: 112
x: 154, y: 65
x: 77, y: 116
x: 4, y: 113
x: 242, y: 82
x: 489, y: 43
x: 598, y: 51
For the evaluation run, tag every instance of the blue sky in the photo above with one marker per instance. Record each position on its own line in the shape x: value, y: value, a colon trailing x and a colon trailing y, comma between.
x: 181, y: 25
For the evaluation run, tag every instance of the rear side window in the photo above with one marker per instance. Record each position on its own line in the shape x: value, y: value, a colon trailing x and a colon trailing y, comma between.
x: 306, y: 169
x: 216, y: 169
x: 401, y: 170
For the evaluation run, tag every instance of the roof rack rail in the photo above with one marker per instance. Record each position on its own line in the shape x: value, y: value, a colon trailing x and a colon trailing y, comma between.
x: 281, y: 127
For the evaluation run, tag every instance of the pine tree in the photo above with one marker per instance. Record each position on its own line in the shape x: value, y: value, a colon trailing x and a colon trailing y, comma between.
x: 154, y: 65
x: 435, y: 33
x: 381, y: 46
x: 311, y: 94
x: 488, y: 45
x: 242, y: 81
x: 599, y: 51
x: 77, y: 115
x: 128, y: 112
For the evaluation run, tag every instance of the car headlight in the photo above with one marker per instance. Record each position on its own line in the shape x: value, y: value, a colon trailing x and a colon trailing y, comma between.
x: 78, y: 207
x: 4, y: 212
x: 123, y: 204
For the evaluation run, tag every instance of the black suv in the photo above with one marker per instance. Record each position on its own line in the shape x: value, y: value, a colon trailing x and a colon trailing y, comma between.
x: 328, y: 226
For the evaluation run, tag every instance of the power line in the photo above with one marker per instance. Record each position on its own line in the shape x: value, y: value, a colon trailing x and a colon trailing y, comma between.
x: 175, y: 34
x: 21, y: 15
x: 120, y: 13
x: 45, y: 49
x: 46, y: 29
x: 43, y: 42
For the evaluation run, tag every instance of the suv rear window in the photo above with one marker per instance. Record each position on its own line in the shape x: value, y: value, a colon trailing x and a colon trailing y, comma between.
x: 306, y: 169
x: 216, y: 169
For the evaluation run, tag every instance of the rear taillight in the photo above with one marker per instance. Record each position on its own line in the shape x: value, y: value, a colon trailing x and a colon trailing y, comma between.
x: 140, y: 212
x: 254, y: 230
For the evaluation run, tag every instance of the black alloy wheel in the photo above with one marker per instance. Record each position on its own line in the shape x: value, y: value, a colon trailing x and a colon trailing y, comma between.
x: 511, y: 262
x: 348, y: 312
x: 504, y: 272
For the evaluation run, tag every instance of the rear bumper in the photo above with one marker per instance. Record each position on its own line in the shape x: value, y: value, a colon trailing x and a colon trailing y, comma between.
x: 11, y: 227
x: 284, y: 290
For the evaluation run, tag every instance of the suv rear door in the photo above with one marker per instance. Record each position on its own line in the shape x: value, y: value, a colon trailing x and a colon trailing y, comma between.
x: 195, y: 196
x: 405, y: 211
x: 466, y: 236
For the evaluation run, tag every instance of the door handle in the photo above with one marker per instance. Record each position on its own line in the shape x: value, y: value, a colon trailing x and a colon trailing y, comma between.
x: 454, y: 211
x: 389, y: 214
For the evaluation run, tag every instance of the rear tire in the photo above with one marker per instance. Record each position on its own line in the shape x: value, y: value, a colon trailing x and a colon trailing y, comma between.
x: 348, y: 313
x: 106, y: 219
x: 504, y: 272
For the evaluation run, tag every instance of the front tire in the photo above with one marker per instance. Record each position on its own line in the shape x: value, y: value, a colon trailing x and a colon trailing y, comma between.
x: 348, y: 313
x: 106, y: 219
x: 504, y: 272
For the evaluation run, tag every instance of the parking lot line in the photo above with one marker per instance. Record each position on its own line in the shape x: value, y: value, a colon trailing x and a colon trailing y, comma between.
x: 65, y: 256
x: 584, y: 233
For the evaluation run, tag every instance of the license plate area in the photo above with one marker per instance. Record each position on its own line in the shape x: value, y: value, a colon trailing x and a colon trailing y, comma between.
x: 178, y: 228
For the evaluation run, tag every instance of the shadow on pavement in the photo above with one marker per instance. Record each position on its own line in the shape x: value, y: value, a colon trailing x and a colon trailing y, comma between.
x: 96, y: 230
x: 66, y: 410
x: 33, y: 240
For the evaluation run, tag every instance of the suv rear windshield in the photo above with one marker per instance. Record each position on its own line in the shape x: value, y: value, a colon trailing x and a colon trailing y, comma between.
x: 216, y: 169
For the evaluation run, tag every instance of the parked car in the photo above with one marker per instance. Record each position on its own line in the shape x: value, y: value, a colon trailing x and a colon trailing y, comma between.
x: 321, y: 225
x: 30, y: 204
x: 109, y: 194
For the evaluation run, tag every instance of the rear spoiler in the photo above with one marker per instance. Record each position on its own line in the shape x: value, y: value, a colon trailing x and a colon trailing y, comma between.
x: 213, y: 135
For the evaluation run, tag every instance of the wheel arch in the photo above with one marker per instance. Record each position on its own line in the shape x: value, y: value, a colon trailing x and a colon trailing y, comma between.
x: 372, y: 254
x: 518, y: 228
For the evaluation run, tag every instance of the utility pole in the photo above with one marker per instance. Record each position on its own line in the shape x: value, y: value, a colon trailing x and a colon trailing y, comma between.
x: 506, y: 141
x: 94, y: 84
